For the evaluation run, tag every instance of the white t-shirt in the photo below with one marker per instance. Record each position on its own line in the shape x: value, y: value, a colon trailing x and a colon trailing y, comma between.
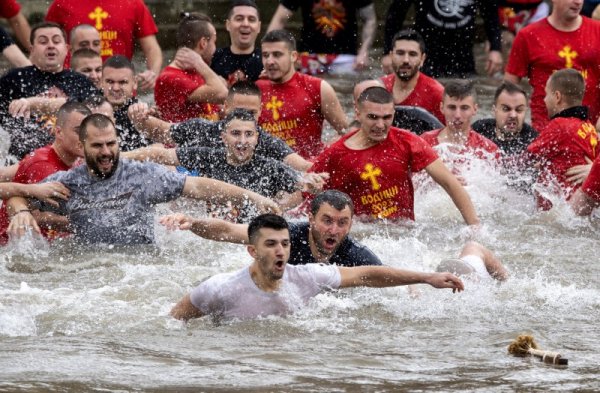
x: 235, y: 295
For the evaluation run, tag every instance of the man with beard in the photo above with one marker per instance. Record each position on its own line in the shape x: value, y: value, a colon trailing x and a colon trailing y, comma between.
x: 270, y: 287
x: 323, y: 239
x: 508, y: 129
x: 407, y: 83
x: 112, y: 201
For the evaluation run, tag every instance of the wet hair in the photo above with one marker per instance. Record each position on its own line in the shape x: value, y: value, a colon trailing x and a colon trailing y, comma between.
x: 95, y: 101
x: 238, y: 114
x: 243, y: 3
x: 70, y: 107
x: 269, y: 220
x: 280, y: 36
x: 460, y: 89
x: 339, y: 200
x: 118, y: 62
x: 410, y: 35
x: 46, y: 25
x: 376, y: 94
x: 193, y: 26
x: 83, y: 53
x: 245, y: 88
x: 510, y: 88
x: 83, y: 26
x: 570, y: 83
x: 97, y: 120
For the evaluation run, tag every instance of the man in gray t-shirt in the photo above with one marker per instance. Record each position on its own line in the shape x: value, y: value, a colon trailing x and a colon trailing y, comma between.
x: 112, y: 200
x: 269, y: 287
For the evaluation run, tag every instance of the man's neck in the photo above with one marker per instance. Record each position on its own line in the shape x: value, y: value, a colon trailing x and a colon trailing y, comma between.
x: 241, y: 51
x: 405, y: 87
x: 359, y: 141
x: 263, y: 283
x: 67, y: 159
x: 563, y: 24
x: 51, y: 71
x: 285, y: 79
x: 237, y: 163
x: 456, y: 137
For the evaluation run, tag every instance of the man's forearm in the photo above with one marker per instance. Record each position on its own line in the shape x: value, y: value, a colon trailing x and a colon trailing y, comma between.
x: 384, y: 276
x: 16, y: 204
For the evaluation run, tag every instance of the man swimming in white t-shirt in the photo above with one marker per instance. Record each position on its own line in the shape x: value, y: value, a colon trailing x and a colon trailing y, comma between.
x: 475, y: 262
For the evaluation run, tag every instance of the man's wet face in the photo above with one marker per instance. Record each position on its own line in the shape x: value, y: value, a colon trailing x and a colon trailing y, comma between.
x: 510, y: 110
x: 101, y: 149
x: 329, y: 227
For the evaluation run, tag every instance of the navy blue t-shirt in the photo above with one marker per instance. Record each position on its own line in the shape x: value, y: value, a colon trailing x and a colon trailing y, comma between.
x: 349, y: 253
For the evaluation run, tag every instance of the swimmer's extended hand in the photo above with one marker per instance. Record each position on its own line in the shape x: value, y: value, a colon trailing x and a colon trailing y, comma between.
x: 577, y: 174
x: 21, y: 222
x: 313, y: 182
x: 20, y: 108
x: 177, y: 221
x: 445, y: 280
x: 266, y: 205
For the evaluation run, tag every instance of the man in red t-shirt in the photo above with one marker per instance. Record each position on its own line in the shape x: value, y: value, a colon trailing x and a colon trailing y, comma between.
x: 294, y: 104
x: 188, y: 88
x: 118, y: 22
x: 563, y: 40
x: 407, y: 83
x: 459, y: 108
x: 587, y: 198
x: 374, y: 164
x: 568, y: 139
x: 59, y: 156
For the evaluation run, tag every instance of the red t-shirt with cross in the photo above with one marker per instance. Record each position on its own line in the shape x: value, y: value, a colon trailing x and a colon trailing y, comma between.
x: 591, y: 185
x: 539, y: 49
x: 118, y: 22
x: 378, y: 179
x: 292, y: 111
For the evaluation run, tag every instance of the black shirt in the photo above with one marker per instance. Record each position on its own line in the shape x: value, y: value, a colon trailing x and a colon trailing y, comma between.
x: 130, y: 137
x: 25, y: 82
x: 328, y: 27
x: 5, y: 40
x: 517, y: 145
x: 262, y: 175
x: 201, y: 132
x: 225, y: 63
x: 349, y: 253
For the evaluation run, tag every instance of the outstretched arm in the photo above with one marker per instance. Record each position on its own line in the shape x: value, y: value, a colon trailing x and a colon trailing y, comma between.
x: 185, y: 310
x: 386, y: 276
x: 217, y: 191
x: 208, y: 228
x: 369, y: 18
x: 280, y: 18
x: 151, y: 127
x: 492, y: 264
x: 153, y: 54
x: 438, y: 171
x: 156, y: 154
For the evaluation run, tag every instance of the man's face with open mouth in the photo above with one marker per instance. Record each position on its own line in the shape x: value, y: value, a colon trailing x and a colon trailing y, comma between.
x: 329, y: 227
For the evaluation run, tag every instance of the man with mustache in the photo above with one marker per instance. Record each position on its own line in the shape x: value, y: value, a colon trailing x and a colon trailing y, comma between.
x: 322, y: 239
x: 112, y: 200
x: 407, y: 83
x: 270, y: 287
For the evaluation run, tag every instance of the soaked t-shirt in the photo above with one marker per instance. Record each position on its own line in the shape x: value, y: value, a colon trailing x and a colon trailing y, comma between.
x: 349, y: 253
x: 200, y: 132
x: 120, y: 209
x: 226, y: 64
x: 262, y: 175
x: 235, y: 295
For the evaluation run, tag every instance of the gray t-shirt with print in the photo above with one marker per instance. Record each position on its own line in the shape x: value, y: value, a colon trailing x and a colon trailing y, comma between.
x: 120, y: 209
x: 235, y: 295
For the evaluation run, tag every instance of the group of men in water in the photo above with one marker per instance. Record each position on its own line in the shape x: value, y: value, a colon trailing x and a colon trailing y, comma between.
x: 248, y: 147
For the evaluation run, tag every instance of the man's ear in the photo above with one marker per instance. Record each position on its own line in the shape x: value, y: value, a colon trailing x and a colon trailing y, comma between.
x: 251, y: 250
x: 294, y: 56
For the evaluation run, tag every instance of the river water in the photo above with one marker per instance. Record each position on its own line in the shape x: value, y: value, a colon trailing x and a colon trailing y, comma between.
x: 96, y: 319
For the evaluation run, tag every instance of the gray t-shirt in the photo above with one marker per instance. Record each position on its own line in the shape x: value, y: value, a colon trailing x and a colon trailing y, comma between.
x: 235, y: 295
x: 120, y: 209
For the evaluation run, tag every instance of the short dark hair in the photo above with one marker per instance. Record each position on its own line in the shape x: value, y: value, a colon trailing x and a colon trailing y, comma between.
x: 376, y: 94
x: 95, y: 101
x: 83, y: 53
x: 82, y: 26
x: 410, y: 35
x: 97, y: 120
x: 70, y: 107
x: 118, y: 62
x: 245, y: 88
x: 243, y: 3
x: 269, y: 220
x: 570, y: 83
x: 280, y: 36
x: 46, y: 25
x: 238, y: 114
x: 192, y: 27
x: 510, y: 88
x: 460, y: 89
x: 335, y: 198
